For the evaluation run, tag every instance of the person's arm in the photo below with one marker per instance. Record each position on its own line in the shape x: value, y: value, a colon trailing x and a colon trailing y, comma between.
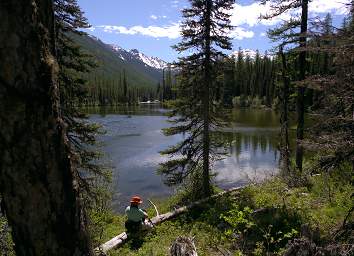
x: 144, y: 214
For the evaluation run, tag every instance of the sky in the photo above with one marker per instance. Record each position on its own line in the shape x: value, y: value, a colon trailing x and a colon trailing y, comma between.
x: 152, y: 26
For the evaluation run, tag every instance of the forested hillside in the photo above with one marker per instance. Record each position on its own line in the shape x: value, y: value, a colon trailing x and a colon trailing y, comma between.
x: 290, y: 166
x: 120, y: 76
x: 253, y: 79
x: 250, y: 80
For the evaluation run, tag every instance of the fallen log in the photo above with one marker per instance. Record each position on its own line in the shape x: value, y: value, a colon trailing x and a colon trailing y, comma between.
x: 123, y: 237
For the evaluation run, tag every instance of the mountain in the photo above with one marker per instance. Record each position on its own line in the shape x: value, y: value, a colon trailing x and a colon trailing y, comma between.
x: 152, y: 66
x: 251, y: 53
x: 246, y: 52
x: 141, y: 70
x: 134, y: 54
x: 153, y: 62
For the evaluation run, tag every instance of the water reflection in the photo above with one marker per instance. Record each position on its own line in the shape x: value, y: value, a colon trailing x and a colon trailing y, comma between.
x: 145, y: 109
x: 134, y: 139
x: 252, y: 154
x: 254, y: 118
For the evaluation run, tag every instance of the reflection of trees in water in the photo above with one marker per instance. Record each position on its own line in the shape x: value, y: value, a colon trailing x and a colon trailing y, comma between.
x: 258, y: 118
x: 144, y: 109
x: 254, y: 142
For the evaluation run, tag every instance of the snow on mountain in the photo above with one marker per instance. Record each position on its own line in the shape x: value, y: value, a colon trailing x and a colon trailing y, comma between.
x: 116, y: 48
x: 246, y: 52
x: 251, y: 53
x: 149, y: 61
x: 94, y: 37
x: 119, y: 50
x: 134, y: 54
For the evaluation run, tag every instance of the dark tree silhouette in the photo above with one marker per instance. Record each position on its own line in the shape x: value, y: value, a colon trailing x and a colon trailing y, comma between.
x: 204, y: 32
x: 38, y: 184
x: 293, y: 31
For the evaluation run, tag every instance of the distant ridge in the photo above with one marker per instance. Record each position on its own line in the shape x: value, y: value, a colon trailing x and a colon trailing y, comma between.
x: 141, y: 70
x: 250, y: 53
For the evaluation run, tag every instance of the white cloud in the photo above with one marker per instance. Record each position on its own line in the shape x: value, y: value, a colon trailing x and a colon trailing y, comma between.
x: 240, y: 33
x: 175, y: 3
x: 263, y: 34
x: 154, y: 17
x: 250, y: 14
x: 336, y: 7
x: 241, y: 15
x: 170, y: 31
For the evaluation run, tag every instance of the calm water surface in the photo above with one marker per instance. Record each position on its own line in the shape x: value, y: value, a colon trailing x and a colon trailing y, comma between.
x: 134, y: 138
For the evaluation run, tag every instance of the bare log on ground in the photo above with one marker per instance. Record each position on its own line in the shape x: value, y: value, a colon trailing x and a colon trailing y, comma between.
x: 119, y: 240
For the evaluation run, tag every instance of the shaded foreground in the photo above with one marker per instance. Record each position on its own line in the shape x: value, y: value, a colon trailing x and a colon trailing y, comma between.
x: 267, y: 219
x: 123, y: 237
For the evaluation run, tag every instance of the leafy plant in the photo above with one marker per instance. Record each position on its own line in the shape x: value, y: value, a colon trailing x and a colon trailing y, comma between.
x: 239, y: 221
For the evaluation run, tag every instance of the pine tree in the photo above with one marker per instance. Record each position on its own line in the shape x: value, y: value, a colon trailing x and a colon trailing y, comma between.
x: 332, y: 135
x: 38, y: 183
x: 240, y: 74
x: 125, y: 88
x: 284, y: 119
x: 293, y: 31
x: 230, y: 86
x: 205, y: 27
x: 74, y: 64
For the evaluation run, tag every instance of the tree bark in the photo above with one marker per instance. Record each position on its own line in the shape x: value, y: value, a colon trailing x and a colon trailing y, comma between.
x: 38, y: 184
x: 301, y: 90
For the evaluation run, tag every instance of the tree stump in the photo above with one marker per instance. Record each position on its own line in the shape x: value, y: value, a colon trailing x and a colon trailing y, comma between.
x: 183, y: 246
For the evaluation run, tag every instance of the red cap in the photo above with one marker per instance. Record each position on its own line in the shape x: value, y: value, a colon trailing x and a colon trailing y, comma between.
x: 136, y: 200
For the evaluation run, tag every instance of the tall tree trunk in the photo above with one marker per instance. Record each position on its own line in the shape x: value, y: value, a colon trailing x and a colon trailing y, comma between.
x: 206, y: 101
x: 301, y: 90
x: 284, y: 138
x: 38, y: 184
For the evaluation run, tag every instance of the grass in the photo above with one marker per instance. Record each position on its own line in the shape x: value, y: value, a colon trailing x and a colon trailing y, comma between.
x: 6, y: 243
x: 228, y: 224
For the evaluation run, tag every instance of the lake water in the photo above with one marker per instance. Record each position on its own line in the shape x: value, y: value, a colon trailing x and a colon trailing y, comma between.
x: 134, y: 138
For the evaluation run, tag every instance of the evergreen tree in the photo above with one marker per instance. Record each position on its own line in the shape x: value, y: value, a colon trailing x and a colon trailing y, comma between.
x: 240, y: 74
x: 125, y: 88
x: 38, y: 183
x: 73, y: 65
x: 230, y: 86
x: 163, y: 85
x: 332, y: 135
x: 249, y: 81
x: 284, y: 119
x: 205, y: 27
x: 293, y: 31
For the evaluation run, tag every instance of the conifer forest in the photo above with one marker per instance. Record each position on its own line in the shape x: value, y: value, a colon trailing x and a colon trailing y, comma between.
x: 179, y: 127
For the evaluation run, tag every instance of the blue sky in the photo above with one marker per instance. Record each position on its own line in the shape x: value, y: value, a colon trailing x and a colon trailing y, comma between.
x: 152, y: 25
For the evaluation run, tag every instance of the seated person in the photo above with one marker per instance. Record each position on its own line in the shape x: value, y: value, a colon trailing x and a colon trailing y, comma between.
x: 136, y: 216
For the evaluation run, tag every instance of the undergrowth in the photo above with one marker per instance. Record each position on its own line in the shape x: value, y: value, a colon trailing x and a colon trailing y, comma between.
x: 258, y: 220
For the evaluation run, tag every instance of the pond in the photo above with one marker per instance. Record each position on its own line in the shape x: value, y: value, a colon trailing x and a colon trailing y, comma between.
x: 134, y: 139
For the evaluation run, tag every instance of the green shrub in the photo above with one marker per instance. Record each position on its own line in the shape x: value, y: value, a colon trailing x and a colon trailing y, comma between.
x: 6, y: 243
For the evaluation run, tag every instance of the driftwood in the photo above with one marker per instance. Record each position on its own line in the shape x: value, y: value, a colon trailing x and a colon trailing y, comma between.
x: 119, y: 240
